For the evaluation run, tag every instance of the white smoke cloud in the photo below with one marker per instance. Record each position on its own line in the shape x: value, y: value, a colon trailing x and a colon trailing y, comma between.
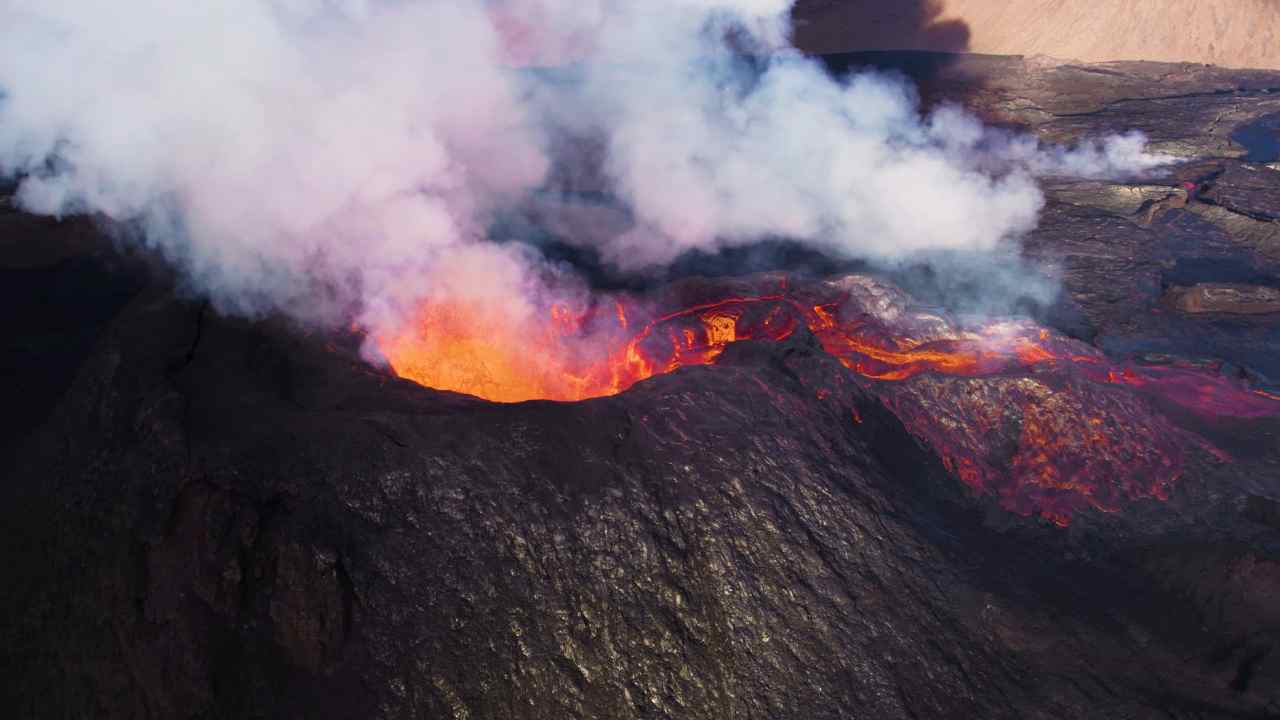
x: 341, y: 158
x: 703, y: 162
x: 283, y: 153
x: 966, y: 140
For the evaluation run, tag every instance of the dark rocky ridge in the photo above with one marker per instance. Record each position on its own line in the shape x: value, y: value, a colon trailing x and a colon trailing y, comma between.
x: 224, y: 519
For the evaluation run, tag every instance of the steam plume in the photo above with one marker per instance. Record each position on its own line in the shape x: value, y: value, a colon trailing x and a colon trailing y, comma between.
x: 343, y: 158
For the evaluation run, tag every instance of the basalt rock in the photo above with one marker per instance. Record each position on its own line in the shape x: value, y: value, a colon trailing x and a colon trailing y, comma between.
x: 1121, y: 246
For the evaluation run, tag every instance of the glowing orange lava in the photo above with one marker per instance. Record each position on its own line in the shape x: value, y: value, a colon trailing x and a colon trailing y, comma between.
x: 569, y: 355
x: 474, y: 350
x: 486, y: 352
x: 1083, y: 431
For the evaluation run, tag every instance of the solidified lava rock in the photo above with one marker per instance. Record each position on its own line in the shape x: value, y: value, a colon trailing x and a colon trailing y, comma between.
x: 1226, y: 298
x: 1046, y: 445
x: 222, y: 519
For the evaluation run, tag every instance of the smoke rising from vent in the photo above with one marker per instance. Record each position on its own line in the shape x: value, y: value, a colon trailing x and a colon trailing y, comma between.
x: 340, y: 159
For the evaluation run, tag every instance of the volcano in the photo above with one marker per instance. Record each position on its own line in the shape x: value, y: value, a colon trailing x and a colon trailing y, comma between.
x: 818, y: 492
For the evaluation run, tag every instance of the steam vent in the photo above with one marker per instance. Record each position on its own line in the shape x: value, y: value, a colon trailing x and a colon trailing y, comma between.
x: 620, y: 360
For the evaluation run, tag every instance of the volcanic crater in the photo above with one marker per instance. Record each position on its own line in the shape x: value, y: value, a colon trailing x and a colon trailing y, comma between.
x: 772, y: 493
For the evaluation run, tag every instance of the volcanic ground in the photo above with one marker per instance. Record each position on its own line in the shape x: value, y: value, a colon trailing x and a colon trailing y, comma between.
x: 817, y: 492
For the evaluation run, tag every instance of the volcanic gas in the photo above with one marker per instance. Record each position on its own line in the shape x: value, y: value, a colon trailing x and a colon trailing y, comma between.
x: 1043, y: 421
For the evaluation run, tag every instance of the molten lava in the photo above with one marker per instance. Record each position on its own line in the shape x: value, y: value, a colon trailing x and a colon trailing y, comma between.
x: 481, y: 351
x: 1046, y: 423
x: 570, y: 356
